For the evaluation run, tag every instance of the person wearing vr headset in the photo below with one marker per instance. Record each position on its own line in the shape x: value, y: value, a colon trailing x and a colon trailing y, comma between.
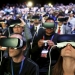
x: 17, y: 63
x: 19, y: 26
x: 66, y: 62
x: 41, y: 46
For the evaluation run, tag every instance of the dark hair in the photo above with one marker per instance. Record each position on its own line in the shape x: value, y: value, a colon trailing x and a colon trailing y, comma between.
x: 49, y: 18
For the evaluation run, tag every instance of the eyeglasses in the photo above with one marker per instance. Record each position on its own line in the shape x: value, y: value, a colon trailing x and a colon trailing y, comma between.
x: 63, y: 44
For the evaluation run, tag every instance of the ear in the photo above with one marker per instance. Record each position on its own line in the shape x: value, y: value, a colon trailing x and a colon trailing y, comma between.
x: 24, y: 48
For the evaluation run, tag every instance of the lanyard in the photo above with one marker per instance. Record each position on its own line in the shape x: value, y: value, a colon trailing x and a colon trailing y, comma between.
x: 51, y: 40
x: 20, y: 67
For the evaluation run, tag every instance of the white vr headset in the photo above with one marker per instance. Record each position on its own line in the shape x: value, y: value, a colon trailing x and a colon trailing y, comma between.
x: 63, y: 44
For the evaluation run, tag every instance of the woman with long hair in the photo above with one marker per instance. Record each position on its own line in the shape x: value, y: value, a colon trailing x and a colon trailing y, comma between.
x: 66, y: 62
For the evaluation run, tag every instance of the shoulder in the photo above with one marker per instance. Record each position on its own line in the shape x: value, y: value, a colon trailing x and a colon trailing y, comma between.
x: 31, y: 62
x: 5, y: 62
x: 56, y: 34
x: 31, y: 67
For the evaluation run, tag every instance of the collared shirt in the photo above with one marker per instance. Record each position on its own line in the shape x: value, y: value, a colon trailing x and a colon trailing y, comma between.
x: 37, y: 28
x: 61, y: 29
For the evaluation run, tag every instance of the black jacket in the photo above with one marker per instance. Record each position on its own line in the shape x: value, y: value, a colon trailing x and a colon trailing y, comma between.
x: 36, y: 51
x: 29, y: 67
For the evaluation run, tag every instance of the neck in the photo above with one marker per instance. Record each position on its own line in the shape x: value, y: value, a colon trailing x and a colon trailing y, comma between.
x: 18, y: 59
x: 49, y: 34
x: 68, y: 66
x: 36, y: 24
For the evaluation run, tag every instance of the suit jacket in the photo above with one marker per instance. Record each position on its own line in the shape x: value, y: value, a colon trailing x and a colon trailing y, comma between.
x: 65, y: 29
x: 34, y: 31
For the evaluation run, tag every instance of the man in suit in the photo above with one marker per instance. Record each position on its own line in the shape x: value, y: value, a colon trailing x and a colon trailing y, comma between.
x: 63, y: 27
x: 36, y: 25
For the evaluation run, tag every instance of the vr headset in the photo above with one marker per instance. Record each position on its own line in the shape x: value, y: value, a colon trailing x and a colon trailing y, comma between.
x: 2, y: 21
x: 12, y: 42
x: 15, y: 22
x: 48, y: 25
x: 63, y: 44
x: 63, y: 40
x: 62, y: 19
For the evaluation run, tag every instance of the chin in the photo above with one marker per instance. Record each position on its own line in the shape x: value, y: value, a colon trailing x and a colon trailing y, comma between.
x: 11, y: 55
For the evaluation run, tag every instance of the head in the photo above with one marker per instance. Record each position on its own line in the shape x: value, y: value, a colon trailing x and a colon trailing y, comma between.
x: 36, y: 19
x: 16, y: 52
x: 49, y: 30
x: 18, y: 29
x: 16, y: 26
x: 71, y: 13
x: 68, y: 51
x: 3, y: 23
x: 60, y: 18
x: 66, y: 47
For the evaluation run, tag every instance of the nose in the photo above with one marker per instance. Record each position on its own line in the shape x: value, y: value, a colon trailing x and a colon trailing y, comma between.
x: 68, y: 45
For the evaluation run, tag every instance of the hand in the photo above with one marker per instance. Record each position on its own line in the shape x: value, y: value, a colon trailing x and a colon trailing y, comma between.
x: 40, y: 43
x: 50, y: 43
x: 3, y: 48
x: 23, y: 23
x: 3, y: 37
x: 44, y: 55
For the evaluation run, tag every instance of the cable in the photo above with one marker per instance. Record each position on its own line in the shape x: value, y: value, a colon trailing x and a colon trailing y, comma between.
x: 33, y: 39
x: 50, y: 59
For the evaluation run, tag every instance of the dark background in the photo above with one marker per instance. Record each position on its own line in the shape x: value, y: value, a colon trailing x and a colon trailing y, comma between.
x: 42, y: 2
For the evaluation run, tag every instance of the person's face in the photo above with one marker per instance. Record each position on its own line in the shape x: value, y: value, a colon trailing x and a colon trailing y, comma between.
x: 49, y: 30
x: 60, y: 23
x: 36, y: 21
x: 18, y: 29
x: 14, y: 52
x: 71, y: 15
x: 68, y: 51
x: 31, y: 22
x: 4, y: 25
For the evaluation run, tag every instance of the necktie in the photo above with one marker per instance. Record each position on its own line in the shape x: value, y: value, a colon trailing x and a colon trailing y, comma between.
x: 59, y: 30
x: 35, y: 29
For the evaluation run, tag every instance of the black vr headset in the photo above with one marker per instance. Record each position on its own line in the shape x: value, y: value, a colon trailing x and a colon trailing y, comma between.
x: 14, y: 22
x: 62, y: 19
x: 48, y: 25
x: 12, y: 42
x: 63, y: 40
x: 3, y: 21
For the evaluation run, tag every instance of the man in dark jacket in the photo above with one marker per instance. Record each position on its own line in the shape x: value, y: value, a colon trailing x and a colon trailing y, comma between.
x: 17, y: 63
x: 42, y: 44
